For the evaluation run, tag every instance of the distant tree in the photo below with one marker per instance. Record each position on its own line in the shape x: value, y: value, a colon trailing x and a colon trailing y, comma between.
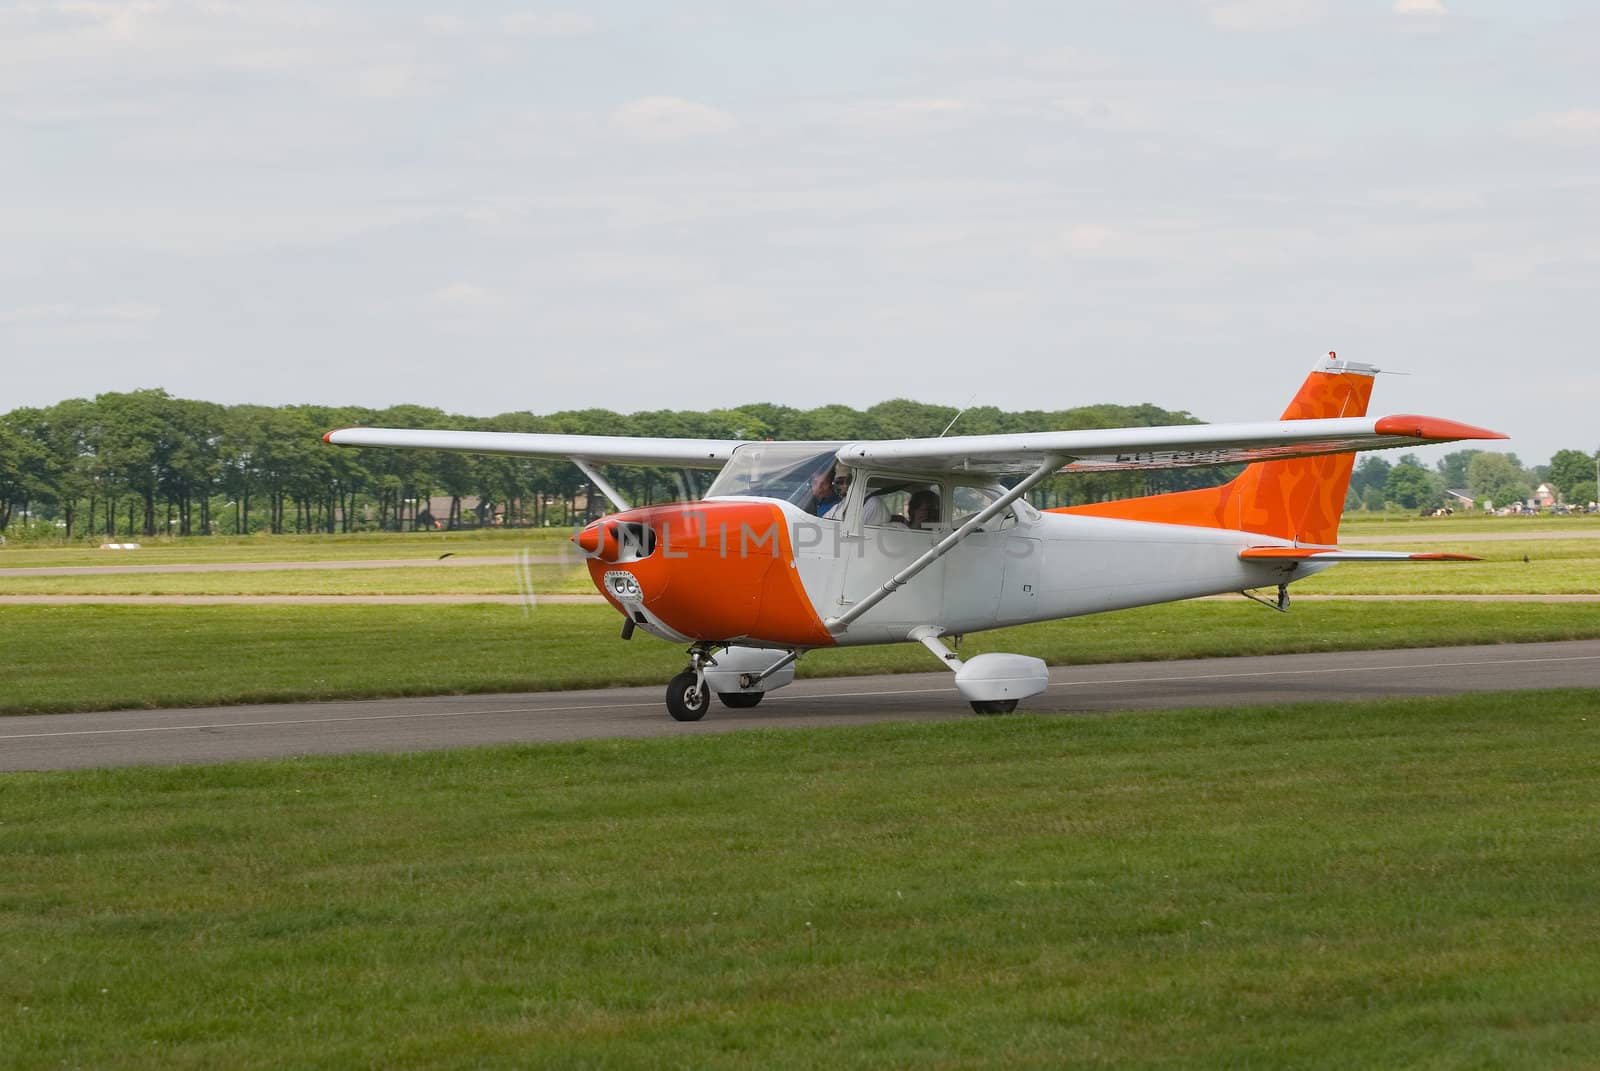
x: 23, y: 465
x: 1411, y: 486
x: 1453, y: 468
x: 904, y: 419
x: 1371, y: 472
x: 63, y: 429
x: 1498, y: 478
x: 1572, y: 473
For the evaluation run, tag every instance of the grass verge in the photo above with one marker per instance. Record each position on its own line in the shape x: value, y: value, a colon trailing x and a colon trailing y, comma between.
x: 1371, y: 885
x: 458, y: 578
x: 108, y: 657
x: 160, y: 550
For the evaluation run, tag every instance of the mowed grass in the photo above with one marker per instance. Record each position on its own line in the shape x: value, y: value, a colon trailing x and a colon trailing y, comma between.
x: 1557, y: 568
x: 199, y: 550
x: 1326, y: 886
x: 1409, y: 526
x: 458, y: 577
x: 108, y: 657
x: 1511, y: 567
x: 1535, y: 556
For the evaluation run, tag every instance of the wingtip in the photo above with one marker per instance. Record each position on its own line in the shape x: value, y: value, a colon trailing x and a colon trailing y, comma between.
x: 1426, y: 427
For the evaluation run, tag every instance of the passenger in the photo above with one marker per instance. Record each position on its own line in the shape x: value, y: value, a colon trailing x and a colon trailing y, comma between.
x: 923, y: 509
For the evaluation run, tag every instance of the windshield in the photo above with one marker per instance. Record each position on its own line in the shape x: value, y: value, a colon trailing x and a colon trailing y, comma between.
x: 774, y: 470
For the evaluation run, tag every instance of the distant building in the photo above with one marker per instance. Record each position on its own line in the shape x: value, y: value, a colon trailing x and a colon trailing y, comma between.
x: 1461, y: 500
x: 1545, y: 496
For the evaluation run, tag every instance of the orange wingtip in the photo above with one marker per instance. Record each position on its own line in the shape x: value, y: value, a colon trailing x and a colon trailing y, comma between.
x: 328, y: 435
x: 1427, y: 427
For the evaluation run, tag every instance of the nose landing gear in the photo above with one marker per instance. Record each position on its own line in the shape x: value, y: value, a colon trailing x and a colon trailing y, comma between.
x: 740, y: 677
x: 688, y: 698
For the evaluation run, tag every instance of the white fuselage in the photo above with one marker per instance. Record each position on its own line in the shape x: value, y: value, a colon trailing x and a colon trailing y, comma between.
x: 1037, y: 567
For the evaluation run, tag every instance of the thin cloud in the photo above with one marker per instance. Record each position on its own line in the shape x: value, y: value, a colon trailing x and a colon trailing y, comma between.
x: 463, y: 296
x: 1576, y: 126
x: 662, y: 119
x: 1095, y: 113
x: 1260, y: 16
x: 66, y: 312
x: 549, y: 24
x: 906, y: 115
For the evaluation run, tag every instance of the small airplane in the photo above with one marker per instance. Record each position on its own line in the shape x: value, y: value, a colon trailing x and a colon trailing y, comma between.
x: 805, y: 545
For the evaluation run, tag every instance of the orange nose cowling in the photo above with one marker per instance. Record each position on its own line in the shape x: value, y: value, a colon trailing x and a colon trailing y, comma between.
x: 717, y: 571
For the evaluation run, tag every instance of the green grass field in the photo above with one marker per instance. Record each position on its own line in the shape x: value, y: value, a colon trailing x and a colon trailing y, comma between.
x: 1520, y: 567
x: 1533, y: 557
x: 1407, y: 525
x: 1399, y: 884
x: 458, y: 578
x: 1546, y: 568
x: 291, y: 548
x: 1368, y: 885
x: 108, y: 657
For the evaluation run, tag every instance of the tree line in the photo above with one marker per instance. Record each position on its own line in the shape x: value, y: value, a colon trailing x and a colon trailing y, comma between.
x: 144, y: 462
x: 1484, y: 475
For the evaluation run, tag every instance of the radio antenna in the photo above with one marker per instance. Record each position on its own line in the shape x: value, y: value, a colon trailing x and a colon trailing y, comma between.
x: 957, y: 417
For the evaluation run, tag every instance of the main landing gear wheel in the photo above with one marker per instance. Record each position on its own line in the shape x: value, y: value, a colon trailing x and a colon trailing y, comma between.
x: 993, y: 706
x: 740, y: 700
x: 686, y: 700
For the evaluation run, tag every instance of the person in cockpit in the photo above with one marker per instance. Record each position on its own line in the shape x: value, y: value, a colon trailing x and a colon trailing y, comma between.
x: 824, y: 495
x: 922, y: 511
x: 871, y: 506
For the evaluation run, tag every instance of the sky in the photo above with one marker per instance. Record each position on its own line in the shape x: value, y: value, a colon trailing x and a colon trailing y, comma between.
x: 494, y: 207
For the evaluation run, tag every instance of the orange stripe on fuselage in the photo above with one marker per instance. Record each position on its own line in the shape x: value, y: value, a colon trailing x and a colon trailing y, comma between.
x: 1298, y: 498
x: 720, y: 571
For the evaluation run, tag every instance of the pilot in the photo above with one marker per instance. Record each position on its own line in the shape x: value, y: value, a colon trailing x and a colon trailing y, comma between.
x: 922, y: 511
x: 824, y: 497
x: 871, y: 507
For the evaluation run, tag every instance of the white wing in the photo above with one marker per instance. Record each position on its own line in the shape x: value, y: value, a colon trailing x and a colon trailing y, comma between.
x: 601, y: 449
x: 1180, y: 446
x: 1103, y: 450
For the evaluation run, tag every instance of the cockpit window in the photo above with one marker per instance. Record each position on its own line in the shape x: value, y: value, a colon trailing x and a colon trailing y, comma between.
x: 969, y: 501
x: 774, y: 470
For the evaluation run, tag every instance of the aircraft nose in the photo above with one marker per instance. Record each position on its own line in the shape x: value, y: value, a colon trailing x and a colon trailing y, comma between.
x: 589, y: 539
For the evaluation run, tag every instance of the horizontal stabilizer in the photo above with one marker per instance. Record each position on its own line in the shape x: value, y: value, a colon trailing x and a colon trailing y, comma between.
x: 1312, y: 554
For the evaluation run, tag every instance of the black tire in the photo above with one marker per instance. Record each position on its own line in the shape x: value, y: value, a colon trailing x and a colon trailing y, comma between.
x: 685, y: 702
x: 993, y: 706
x: 740, y: 700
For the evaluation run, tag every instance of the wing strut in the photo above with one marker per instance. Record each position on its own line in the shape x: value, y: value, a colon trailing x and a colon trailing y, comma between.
x: 1046, y: 467
x: 600, y: 482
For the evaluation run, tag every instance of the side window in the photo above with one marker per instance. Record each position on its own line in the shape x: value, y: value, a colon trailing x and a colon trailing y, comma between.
x: 905, y: 503
x: 883, y: 500
x: 971, y: 501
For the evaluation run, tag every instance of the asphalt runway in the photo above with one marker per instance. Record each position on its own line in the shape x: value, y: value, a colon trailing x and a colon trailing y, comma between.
x: 222, y: 734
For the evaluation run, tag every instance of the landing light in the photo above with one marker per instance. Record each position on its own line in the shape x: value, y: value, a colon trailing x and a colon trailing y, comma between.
x: 623, y: 584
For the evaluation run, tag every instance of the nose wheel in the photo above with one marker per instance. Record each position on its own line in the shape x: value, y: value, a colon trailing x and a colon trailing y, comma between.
x: 688, y: 698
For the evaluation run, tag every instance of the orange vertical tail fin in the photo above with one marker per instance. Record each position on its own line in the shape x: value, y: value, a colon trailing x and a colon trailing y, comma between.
x: 1299, y: 499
